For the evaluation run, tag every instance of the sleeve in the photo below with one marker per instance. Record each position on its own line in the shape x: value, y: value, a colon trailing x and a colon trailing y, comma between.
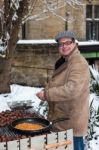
x: 77, y: 80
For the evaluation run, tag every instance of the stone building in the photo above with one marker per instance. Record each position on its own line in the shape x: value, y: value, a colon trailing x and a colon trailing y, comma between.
x: 82, y: 19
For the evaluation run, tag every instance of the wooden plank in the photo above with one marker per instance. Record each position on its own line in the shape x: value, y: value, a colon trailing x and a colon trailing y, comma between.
x: 24, y: 144
x: 37, y: 142
x: 52, y: 138
x: 2, y: 145
x: 13, y: 145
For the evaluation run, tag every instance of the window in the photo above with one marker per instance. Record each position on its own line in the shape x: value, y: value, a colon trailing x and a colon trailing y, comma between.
x: 92, y: 22
x: 24, y: 31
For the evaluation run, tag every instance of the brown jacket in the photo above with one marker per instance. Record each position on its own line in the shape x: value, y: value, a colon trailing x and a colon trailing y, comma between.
x: 67, y: 93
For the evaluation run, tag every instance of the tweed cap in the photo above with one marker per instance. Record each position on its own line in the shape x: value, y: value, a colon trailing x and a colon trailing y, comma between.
x: 67, y: 34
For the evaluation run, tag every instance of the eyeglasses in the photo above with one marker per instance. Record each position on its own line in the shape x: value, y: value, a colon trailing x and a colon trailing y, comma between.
x: 65, y: 43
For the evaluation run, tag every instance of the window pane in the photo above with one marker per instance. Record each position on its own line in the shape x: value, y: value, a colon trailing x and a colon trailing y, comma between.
x: 96, y: 30
x: 96, y: 11
x: 24, y: 31
x: 92, y: 30
x: 89, y: 11
x: 89, y: 30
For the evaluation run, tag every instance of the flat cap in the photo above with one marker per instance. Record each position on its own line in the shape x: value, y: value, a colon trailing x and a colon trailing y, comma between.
x: 67, y: 34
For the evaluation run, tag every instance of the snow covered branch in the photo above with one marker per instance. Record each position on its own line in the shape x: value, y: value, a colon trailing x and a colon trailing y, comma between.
x: 49, y: 7
x: 11, y: 14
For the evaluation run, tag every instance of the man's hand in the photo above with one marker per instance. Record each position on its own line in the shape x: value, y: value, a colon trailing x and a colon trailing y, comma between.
x: 41, y: 95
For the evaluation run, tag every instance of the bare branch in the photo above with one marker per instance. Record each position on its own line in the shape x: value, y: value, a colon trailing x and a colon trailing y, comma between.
x: 31, y: 9
x: 48, y: 6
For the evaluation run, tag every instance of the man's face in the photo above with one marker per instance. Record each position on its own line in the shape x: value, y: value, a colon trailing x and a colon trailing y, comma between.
x: 66, y: 46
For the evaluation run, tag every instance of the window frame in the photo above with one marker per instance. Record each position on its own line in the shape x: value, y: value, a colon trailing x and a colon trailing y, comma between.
x: 92, y: 34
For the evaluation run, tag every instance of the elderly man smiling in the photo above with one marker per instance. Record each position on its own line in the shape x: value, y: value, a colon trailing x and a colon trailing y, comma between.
x: 67, y: 92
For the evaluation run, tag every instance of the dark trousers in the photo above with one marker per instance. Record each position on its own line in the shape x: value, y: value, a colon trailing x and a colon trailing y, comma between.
x: 78, y: 143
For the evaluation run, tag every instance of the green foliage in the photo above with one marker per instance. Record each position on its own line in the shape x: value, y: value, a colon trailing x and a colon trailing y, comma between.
x: 92, y: 118
x: 94, y: 88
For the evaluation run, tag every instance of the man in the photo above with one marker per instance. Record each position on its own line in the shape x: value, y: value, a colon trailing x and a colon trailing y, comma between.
x: 67, y: 92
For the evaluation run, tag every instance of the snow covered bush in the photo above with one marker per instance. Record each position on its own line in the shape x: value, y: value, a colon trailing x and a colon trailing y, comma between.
x: 92, y: 138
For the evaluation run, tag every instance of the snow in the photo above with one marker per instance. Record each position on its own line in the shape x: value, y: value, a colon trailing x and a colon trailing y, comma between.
x: 94, y: 130
x: 19, y: 94
x: 14, y: 4
x: 3, y: 46
x: 43, y: 41
x: 15, y: 17
x: 3, y: 104
x: 95, y: 73
x: 52, y: 41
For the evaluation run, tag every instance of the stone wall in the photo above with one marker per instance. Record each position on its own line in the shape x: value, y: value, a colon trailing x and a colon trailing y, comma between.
x: 33, y: 64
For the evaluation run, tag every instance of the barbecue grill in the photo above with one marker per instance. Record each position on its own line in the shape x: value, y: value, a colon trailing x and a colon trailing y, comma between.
x: 10, y: 140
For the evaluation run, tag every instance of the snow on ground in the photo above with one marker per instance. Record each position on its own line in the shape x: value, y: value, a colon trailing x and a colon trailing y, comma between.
x: 19, y: 94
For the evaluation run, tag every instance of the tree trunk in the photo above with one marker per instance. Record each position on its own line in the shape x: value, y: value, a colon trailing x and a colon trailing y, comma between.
x: 5, y: 67
x: 10, y: 27
x: 5, y: 63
